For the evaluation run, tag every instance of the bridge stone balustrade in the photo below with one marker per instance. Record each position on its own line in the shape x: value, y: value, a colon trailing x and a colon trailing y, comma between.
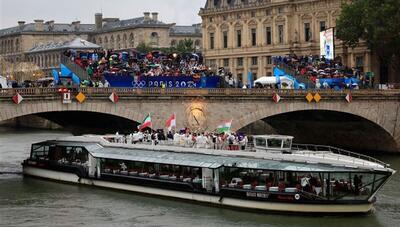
x: 209, y: 106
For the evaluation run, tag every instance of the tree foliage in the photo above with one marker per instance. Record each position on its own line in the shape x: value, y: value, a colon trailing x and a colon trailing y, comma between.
x: 185, y: 46
x: 143, y: 47
x: 377, y: 22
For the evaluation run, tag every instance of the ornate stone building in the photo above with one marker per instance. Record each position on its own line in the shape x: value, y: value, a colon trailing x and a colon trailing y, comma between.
x: 17, y: 43
x: 243, y: 35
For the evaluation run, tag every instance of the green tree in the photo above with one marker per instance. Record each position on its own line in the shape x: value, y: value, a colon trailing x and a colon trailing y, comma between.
x: 185, y: 46
x: 143, y: 47
x: 377, y: 22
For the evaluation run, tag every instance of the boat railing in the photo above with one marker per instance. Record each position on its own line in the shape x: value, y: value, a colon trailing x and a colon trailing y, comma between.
x: 324, y: 149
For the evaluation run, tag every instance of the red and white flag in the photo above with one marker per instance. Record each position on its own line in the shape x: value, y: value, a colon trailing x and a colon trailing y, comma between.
x: 17, y: 98
x: 349, y: 98
x: 276, y: 98
x: 171, y: 122
x: 114, y: 97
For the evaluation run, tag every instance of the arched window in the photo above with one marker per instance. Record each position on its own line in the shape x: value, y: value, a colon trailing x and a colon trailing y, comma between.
x: 17, y: 45
x: 12, y: 46
x: 112, y: 42
x: 100, y: 41
x: 118, y: 42
x: 154, y: 38
x: 131, y: 40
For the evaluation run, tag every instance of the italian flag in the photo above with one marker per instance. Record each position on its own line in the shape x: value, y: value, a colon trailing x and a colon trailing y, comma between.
x: 171, y: 122
x: 224, y: 127
x: 146, y: 123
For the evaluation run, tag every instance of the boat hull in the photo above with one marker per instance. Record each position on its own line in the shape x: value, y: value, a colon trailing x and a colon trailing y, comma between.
x: 203, y: 198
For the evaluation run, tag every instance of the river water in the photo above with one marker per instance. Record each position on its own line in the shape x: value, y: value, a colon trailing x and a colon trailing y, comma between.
x: 33, y: 202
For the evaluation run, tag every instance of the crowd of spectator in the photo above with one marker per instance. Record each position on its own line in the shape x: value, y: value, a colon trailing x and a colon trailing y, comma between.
x: 185, y: 138
x: 155, y: 63
x: 316, y: 68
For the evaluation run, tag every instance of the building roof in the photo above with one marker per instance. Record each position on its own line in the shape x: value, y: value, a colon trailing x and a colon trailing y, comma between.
x: 48, y: 28
x: 109, y: 24
x: 77, y: 43
x: 185, y: 30
x: 134, y: 22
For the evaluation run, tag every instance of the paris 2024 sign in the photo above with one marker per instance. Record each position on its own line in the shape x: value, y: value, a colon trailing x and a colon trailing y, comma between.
x: 327, y: 43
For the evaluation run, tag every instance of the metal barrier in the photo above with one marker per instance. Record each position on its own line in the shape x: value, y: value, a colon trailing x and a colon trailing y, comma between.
x: 335, y: 150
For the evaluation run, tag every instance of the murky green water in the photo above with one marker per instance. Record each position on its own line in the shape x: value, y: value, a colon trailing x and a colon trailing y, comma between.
x: 32, y: 202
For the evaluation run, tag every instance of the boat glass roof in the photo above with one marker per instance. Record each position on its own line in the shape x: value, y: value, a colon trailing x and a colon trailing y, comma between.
x: 212, y: 161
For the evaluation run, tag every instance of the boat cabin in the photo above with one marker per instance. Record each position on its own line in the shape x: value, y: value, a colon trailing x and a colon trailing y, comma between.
x: 273, y: 143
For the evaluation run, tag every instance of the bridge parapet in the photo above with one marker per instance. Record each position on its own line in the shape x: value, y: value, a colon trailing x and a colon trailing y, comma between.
x: 216, y: 92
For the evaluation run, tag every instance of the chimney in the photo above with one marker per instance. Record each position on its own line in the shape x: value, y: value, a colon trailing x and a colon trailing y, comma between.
x: 98, y: 17
x: 154, y: 16
x: 76, y: 25
x: 39, y: 25
x: 146, y: 16
x: 21, y: 24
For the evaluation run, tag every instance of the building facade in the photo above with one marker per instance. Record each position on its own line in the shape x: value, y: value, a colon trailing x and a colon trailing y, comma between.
x: 244, y: 35
x: 17, y: 43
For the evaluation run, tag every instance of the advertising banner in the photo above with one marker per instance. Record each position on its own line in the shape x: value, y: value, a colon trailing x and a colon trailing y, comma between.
x: 159, y: 81
x: 327, y: 44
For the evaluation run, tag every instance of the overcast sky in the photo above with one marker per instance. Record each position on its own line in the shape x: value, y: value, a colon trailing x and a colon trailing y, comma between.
x: 181, y: 12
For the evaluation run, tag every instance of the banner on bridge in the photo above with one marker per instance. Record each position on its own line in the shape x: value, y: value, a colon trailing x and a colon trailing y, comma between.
x: 159, y: 81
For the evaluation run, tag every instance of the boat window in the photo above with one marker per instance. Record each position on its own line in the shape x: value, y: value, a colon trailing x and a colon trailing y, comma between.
x: 318, y: 185
x: 287, y: 143
x: 40, y: 152
x: 260, y: 142
x: 274, y: 143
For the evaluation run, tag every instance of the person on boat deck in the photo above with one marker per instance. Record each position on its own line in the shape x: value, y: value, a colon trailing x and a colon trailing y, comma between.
x: 135, y: 137
x: 177, y: 138
x: 356, y: 182
x: 123, y: 166
x: 188, y: 140
x: 170, y: 137
x: 242, y: 142
x: 305, y: 183
x: 129, y: 139
x: 281, y: 185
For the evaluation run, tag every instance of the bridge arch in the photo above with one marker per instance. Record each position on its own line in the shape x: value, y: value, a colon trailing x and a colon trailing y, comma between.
x: 360, y: 130
x: 266, y: 111
x: 34, y: 108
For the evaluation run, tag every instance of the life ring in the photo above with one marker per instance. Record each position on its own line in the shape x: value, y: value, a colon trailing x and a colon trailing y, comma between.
x: 297, y: 196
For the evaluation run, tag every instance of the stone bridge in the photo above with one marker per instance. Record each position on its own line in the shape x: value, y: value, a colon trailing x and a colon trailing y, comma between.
x: 204, y: 109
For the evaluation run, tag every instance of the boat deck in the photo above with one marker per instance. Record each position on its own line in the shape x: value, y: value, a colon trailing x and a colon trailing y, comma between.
x: 299, y: 153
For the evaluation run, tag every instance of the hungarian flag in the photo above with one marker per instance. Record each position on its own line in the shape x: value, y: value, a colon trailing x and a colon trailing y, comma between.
x: 146, y: 123
x: 171, y: 122
x: 224, y: 127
